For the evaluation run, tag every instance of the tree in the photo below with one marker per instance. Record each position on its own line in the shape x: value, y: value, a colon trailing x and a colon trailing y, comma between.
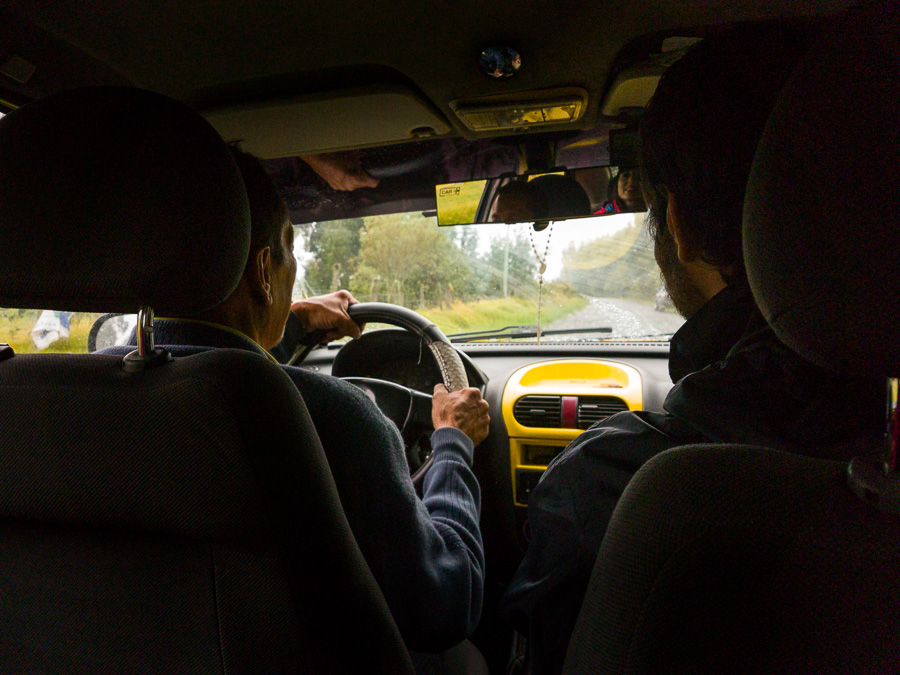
x: 405, y: 258
x: 521, y: 268
x: 335, y: 249
x: 466, y: 284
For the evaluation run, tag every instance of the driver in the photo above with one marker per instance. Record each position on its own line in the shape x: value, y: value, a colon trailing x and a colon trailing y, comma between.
x: 426, y: 554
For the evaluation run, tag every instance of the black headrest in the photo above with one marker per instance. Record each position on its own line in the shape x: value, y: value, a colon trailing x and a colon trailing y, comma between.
x: 112, y: 198
x: 822, y: 209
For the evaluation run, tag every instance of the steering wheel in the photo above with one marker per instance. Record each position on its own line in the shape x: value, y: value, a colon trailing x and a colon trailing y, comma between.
x: 409, y: 409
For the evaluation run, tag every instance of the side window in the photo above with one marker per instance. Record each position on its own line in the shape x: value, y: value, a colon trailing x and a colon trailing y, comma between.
x: 29, y: 331
x: 34, y: 330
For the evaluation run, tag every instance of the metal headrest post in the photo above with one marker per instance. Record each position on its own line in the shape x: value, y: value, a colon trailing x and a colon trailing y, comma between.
x: 877, y: 480
x: 147, y: 355
x: 145, y: 342
x: 892, y: 433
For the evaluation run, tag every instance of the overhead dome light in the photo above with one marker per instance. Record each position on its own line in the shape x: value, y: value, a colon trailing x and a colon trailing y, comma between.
x: 521, y: 115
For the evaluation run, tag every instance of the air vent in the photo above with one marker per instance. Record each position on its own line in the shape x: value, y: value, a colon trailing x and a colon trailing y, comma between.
x: 592, y: 409
x: 539, y: 411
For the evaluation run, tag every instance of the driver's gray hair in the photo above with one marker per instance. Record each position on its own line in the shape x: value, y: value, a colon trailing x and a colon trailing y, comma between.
x: 268, y: 212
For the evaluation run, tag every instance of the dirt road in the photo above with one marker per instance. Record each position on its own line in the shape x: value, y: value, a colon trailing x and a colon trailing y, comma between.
x: 626, y: 317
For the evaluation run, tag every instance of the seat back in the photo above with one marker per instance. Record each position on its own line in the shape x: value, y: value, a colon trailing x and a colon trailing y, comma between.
x: 742, y: 559
x: 179, y: 518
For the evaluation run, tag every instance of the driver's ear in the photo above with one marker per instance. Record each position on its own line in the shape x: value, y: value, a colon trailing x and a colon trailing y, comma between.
x: 675, y: 222
x: 260, y: 275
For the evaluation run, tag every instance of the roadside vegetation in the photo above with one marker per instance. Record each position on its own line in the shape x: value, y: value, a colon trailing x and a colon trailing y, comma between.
x: 404, y: 259
x: 461, y: 283
x: 441, y: 272
x: 481, y: 315
x: 16, y: 326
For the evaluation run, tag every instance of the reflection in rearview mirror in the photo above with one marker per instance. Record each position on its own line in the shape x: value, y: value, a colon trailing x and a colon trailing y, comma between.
x: 578, y: 193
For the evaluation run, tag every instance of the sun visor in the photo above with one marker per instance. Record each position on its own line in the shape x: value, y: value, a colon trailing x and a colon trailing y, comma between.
x: 631, y: 90
x: 327, y: 122
x: 634, y: 86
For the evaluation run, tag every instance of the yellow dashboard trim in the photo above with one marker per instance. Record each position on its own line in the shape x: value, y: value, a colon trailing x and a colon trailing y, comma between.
x: 563, y: 377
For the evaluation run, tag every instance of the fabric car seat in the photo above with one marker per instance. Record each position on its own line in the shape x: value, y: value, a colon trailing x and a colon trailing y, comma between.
x: 746, y: 559
x: 162, y: 515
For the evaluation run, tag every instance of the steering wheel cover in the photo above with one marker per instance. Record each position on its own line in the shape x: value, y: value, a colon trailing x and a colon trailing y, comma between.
x: 453, y: 372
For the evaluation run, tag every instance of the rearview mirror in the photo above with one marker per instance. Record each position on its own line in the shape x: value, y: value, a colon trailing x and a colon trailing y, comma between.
x: 577, y: 193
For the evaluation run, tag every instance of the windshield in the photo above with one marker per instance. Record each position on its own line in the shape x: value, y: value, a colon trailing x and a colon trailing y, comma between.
x: 581, y: 279
x: 600, y: 280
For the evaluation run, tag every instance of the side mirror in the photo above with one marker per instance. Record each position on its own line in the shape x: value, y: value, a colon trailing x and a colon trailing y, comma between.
x: 111, y: 330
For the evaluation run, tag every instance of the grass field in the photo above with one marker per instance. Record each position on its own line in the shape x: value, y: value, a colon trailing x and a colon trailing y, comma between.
x: 16, y: 325
x: 497, y: 313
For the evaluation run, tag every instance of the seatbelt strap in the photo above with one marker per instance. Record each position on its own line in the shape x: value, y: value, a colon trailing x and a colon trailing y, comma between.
x: 877, y: 479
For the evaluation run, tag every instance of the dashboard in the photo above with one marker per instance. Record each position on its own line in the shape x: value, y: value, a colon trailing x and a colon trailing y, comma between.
x: 540, y: 396
x: 547, y: 404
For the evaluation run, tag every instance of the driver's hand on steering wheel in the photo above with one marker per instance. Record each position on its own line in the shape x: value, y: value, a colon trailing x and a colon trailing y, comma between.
x: 465, y: 410
x: 328, y: 313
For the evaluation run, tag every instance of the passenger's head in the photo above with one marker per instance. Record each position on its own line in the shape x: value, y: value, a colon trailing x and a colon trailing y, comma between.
x: 564, y: 196
x: 626, y: 190
x: 698, y: 137
x: 550, y: 196
x: 518, y: 202
x: 261, y: 302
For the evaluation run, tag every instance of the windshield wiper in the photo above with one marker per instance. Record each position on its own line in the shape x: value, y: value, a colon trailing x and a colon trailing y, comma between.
x: 521, y: 332
x: 656, y: 337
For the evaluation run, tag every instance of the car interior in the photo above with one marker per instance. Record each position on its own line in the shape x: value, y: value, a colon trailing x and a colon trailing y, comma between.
x: 151, y: 513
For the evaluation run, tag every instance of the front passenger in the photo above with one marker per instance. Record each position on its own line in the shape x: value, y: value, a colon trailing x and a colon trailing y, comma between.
x: 735, y: 382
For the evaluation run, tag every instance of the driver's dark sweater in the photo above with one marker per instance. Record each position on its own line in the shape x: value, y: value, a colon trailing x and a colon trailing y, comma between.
x: 427, y: 555
x: 735, y: 383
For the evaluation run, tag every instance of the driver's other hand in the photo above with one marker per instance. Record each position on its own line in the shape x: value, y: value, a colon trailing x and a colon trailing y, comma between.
x: 328, y: 312
x: 464, y: 409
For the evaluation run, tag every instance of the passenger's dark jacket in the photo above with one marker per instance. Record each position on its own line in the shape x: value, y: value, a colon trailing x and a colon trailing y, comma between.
x: 735, y: 383
x: 426, y: 554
